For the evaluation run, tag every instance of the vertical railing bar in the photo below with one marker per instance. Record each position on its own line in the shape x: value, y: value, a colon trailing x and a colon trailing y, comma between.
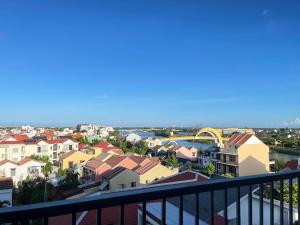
x: 261, y: 204
x: 180, y: 210
x: 272, y: 203
x: 45, y: 220
x: 144, y: 213
x: 163, y: 210
x: 197, y: 217
x: 291, y: 201
x: 74, y: 218
x: 250, y: 205
x: 99, y: 216
x: 212, y: 210
x: 122, y: 214
x: 225, y: 206
x: 281, y: 202
x: 238, y: 205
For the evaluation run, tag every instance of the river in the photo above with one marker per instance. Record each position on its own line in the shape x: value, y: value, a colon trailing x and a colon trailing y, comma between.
x: 203, y: 146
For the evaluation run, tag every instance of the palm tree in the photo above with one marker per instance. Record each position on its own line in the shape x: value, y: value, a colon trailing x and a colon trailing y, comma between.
x: 4, y: 203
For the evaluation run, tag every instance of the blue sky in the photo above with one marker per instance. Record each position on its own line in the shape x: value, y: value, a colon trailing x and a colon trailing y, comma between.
x: 150, y: 63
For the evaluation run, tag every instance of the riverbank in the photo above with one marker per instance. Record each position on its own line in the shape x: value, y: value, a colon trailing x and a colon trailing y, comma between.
x: 288, y: 151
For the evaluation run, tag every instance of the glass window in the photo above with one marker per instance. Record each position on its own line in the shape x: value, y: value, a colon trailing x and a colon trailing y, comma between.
x: 12, y: 172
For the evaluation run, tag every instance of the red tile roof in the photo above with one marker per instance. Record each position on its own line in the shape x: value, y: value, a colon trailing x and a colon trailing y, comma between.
x: 239, y: 139
x: 6, y: 183
x: 47, y: 134
x: 6, y: 161
x: 20, y: 137
x: 103, y: 144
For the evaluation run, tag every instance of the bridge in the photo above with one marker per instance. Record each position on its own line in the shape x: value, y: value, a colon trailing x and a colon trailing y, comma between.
x: 214, y: 134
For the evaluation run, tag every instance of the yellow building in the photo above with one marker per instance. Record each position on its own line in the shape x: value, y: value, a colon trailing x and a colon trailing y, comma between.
x: 120, y: 177
x: 244, y: 155
x: 73, y: 157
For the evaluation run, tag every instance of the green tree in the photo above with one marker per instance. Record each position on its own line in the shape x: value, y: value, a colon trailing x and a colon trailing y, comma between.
x: 172, y: 161
x: 210, y: 169
x: 286, y: 192
x: 32, y: 191
x: 279, y: 164
x: 70, y: 181
x: 61, y: 172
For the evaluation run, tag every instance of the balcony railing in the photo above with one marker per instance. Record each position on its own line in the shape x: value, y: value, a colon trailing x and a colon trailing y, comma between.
x: 161, y: 193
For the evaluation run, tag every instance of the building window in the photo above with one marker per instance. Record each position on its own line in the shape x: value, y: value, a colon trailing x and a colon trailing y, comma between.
x: 70, y: 147
x: 122, y: 186
x: 12, y: 172
x: 15, y: 150
x: 38, y: 149
x: 133, y: 184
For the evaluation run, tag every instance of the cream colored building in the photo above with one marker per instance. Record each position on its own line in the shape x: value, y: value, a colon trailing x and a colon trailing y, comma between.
x: 18, y: 150
x: 121, y: 178
x: 244, y: 155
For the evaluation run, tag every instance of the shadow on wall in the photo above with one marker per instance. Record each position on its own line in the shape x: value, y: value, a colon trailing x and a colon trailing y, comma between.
x: 252, y: 166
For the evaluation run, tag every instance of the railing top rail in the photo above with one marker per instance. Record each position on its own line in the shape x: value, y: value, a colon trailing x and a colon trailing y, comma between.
x: 134, y: 196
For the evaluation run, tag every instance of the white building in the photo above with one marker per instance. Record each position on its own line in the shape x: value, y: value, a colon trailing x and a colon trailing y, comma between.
x: 18, y: 150
x: 133, y: 138
x: 21, y: 170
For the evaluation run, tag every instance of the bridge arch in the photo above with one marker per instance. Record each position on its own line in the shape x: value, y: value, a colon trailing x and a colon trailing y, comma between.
x: 172, y: 142
x: 214, y: 133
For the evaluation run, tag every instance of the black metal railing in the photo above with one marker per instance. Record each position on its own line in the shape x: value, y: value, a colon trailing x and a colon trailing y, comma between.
x: 23, y: 214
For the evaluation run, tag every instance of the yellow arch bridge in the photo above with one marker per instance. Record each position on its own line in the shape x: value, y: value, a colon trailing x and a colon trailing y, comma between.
x: 214, y: 134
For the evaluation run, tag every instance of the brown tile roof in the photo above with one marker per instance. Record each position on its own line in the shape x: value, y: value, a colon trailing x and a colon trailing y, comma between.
x: 184, y: 176
x: 115, y: 160
x: 239, y: 139
x: 66, y: 155
x: 94, y: 164
x: 114, y: 172
x: 138, y: 159
x: 6, y: 183
x: 113, y: 149
x: 142, y: 169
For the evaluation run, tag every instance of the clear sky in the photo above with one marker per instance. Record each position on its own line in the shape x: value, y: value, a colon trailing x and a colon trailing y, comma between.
x: 150, y: 63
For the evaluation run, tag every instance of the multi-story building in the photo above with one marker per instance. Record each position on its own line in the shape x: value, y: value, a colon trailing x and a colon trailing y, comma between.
x: 243, y: 155
x: 19, y: 171
x: 18, y: 150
